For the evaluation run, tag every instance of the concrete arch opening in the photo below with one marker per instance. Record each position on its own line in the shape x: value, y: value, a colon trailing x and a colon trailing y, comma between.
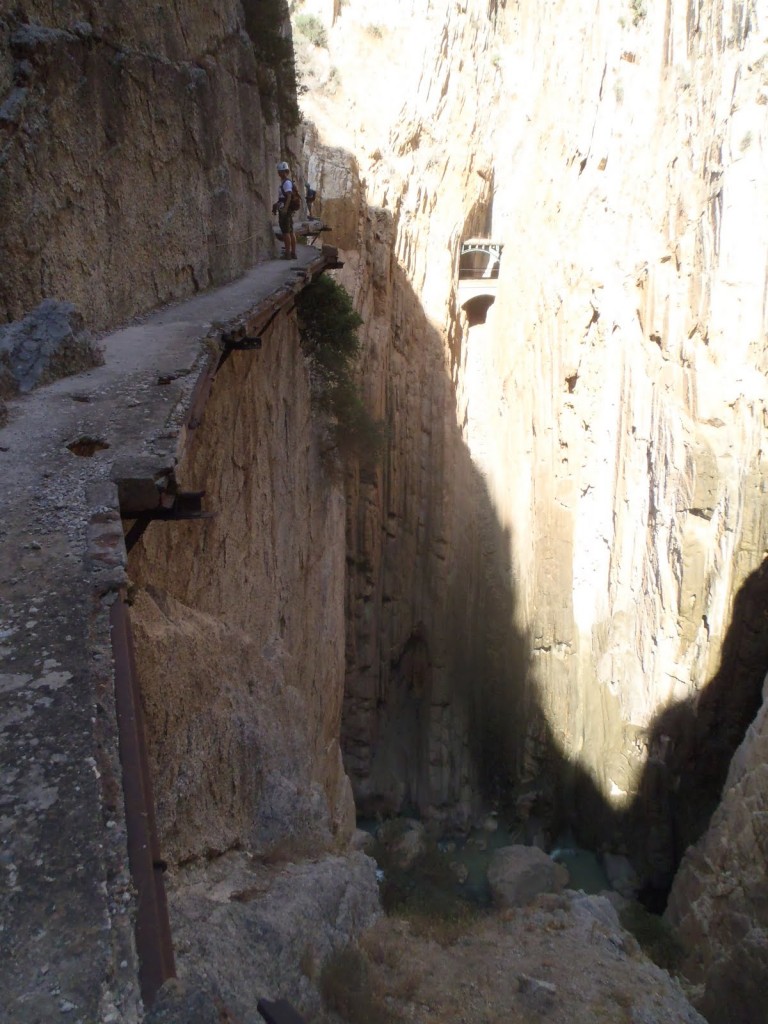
x: 479, y: 265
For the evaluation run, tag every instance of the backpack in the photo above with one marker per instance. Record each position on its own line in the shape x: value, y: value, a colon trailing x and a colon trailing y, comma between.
x: 292, y: 201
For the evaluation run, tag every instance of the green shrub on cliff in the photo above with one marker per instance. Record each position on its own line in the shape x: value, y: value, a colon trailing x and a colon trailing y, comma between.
x: 328, y: 325
x: 310, y: 26
x: 639, y: 10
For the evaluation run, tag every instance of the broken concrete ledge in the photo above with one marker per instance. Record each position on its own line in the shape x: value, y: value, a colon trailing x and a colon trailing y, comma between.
x: 67, y: 901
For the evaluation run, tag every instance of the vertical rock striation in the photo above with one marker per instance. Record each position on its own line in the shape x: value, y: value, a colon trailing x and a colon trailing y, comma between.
x: 138, y: 142
x: 553, y: 573
x: 239, y: 626
x: 718, y: 904
x: 429, y: 572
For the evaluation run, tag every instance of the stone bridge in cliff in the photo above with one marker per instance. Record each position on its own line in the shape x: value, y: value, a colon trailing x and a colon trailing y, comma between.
x: 479, y: 264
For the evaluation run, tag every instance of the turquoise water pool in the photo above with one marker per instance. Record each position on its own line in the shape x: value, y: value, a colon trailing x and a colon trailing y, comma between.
x: 469, y: 855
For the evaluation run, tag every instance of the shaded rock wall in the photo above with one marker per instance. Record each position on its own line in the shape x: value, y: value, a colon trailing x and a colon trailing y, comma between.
x: 238, y: 625
x: 718, y: 903
x: 578, y: 480
x: 138, y: 146
x: 429, y: 575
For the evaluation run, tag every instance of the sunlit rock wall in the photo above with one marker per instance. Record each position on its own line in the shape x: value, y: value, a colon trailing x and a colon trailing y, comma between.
x: 573, y: 491
x: 429, y: 574
x: 138, y: 144
x: 625, y: 356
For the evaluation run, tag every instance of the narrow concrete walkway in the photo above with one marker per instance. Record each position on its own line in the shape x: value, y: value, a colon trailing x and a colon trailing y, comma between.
x: 66, y: 898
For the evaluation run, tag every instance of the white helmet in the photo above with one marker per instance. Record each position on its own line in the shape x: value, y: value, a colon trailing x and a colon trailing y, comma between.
x: 283, y: 166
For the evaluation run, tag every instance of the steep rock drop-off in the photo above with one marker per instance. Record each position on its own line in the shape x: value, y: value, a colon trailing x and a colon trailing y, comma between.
x: 571, y: 523
x: 553, y: 579
x: 238, y: 625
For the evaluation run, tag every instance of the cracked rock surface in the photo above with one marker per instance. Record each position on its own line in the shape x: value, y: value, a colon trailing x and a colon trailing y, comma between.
x: 66, y: 900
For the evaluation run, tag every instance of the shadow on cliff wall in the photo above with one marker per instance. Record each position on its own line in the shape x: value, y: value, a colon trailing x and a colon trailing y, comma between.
x: 692, y: 743
x: 435, y: 662
x: 441, y: 712
x: 451, y: 706
x: 690, y: 747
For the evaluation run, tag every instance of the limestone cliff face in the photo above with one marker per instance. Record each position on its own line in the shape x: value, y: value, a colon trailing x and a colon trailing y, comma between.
x: 238, y: 625
x: 428, y: 574
x: 631, y: 361
x: 554, y: 562
x: 138, y: 146
x: 717, y: 903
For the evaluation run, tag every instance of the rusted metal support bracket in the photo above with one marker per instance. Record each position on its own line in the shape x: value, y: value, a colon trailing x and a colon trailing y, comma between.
x: 173, y: 505
x: 153, y: 930
x: 312, y: 236
x: 247, y: 334
x: 148, y: 491
x: 244, y: 344
x: 178, y: 511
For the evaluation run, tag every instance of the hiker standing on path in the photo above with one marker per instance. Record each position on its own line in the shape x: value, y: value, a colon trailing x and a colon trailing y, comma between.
x: 284, y: 208
x: 309, y: 197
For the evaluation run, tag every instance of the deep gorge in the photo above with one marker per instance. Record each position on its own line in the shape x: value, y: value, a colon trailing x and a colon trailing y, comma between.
x: 547, y: 598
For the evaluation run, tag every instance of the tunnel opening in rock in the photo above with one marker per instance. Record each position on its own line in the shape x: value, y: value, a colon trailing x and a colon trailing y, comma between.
x: 477, y: 309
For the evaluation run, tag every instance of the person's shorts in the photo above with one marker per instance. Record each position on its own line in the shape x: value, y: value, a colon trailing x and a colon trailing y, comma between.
x: 285, y: 220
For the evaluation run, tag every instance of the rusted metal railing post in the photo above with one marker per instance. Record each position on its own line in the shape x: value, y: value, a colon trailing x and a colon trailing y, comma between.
x: 153, y: 929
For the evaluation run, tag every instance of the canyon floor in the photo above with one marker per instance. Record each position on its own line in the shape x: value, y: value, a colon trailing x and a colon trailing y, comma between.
x: 311, y: 932
x: 562, y: 959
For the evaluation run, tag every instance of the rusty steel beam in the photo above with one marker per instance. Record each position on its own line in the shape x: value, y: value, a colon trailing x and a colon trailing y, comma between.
x: 153, y: 929
x: 154, y: 942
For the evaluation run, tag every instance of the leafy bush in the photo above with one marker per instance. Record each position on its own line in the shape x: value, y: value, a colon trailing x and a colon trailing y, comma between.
x: 310, y: 26
x: 328, y: 326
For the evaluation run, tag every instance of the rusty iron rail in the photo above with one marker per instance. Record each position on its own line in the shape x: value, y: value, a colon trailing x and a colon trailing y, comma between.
x: 153, y: 929
x: 479, y: 274
x: 154, y: 942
